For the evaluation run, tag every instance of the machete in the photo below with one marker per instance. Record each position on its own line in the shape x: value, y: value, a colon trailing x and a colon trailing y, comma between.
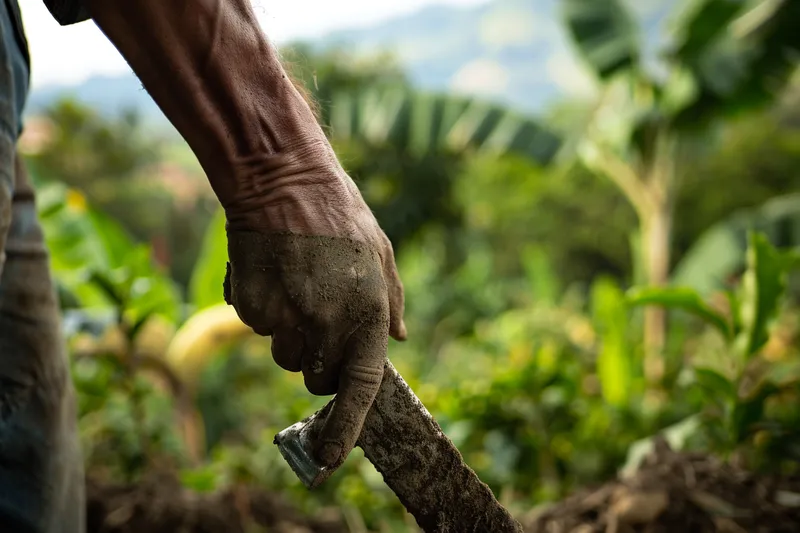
x: 417, y: 460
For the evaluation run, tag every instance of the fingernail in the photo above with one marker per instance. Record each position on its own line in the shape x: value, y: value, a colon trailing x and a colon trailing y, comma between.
x: 330, y: 453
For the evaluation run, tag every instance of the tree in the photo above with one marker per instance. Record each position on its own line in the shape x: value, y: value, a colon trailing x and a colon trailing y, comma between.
x: 727, y: 56
x: 404, y: 147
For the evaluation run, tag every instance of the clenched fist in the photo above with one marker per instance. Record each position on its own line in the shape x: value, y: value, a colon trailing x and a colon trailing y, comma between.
x: 310, y: 266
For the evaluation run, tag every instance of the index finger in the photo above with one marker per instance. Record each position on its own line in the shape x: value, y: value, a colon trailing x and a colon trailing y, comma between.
x: 360, y: 379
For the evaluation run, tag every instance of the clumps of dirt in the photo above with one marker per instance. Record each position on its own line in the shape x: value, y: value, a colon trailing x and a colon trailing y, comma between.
x: 158, y: 504
x: 678, y: 492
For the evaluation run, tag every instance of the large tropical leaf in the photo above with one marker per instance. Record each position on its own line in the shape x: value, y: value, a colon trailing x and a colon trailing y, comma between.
x: 98, y: 264
x: 680, y: 298
x: 614, y: 362
x: 741, y: 54
x: 701, y: 25
x: 422, y: 123
x: 604, y: 33
x: 205, y: 285
x: 721, y: 251
x: 762, y: 289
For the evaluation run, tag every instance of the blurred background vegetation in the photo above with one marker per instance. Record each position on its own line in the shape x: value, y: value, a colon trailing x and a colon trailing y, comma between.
x: 617, y: 265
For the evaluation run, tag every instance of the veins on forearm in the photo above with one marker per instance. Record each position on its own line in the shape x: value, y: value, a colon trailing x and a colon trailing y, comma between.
x: 215, y: 76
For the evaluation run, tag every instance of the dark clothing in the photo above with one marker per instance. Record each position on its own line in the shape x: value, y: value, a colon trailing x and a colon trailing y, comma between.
x: 41, y: 469
x: 67, y: 11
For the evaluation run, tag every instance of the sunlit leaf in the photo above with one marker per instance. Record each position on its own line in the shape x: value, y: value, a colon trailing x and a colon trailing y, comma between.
x: 735, y: 310
x: 762, y: 290
x: 200, y: 480
x: 682, y: 298
x: 614, y: 364
x: 541, y: 277
x: 605, y: 34
x: 109, y: 288
x: 205, y: 286
x: 117, y: 243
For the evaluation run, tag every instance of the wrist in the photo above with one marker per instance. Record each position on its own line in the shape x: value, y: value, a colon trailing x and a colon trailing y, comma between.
x: 294, y: 197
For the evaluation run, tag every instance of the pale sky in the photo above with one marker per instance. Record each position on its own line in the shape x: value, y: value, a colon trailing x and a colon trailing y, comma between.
x: 73, y: 53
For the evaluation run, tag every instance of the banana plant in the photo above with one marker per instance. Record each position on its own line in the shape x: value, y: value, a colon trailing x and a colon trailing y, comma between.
x: 721, y: 251
x: 727, y: 56
x: 120, y: 306
x: 420, y: 123
x: 738, y: 387
x: 370, y: 100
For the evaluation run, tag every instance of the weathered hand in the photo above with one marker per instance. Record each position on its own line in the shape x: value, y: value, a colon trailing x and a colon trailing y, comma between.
x: 308, y: 263
x: 310, y: 266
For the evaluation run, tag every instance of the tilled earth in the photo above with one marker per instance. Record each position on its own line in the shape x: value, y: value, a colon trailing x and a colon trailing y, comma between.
x: 160, y: 505
x: 670, y: 493
x: 678, y: 493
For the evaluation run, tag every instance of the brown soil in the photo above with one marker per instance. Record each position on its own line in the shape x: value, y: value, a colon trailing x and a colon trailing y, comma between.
x: 159, y: 505
x: 678, y: 493
x: 671, y: 493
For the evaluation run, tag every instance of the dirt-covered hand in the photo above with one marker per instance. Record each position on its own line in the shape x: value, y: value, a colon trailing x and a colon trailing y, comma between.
x: 310, y: 266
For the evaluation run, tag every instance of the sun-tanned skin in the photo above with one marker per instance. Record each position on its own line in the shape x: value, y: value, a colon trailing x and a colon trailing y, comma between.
x: 309, y: 263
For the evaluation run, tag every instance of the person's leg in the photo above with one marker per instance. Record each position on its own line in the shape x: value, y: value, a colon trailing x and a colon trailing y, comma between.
x: 41, y: 470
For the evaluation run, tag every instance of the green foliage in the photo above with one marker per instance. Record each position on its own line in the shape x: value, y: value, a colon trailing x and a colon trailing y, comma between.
x: 763, y: 286
x: 524, y: 339
x: 737, y: 391
x: 605, y: 34
x: 85, y: 147
x: 721, y: 251
x: 738, y: 52
x: 420, y: 123
x: 205, y: 285
x: 704, y: 23
x: 121, y: 168
x: 728, y: 56
x: 99, y: 264
x: 125, y: 422
x: 614, y: 364
x: 325, y: 73
x: 681, y: 298
x: 370, y: 101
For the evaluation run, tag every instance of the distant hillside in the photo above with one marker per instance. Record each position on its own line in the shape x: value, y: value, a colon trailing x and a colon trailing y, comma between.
x: 107, y: 94
x: 505, y: 50
x: 510, y: 51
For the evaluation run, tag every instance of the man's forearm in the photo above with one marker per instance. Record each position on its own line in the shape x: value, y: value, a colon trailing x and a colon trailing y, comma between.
x: 211, y: 70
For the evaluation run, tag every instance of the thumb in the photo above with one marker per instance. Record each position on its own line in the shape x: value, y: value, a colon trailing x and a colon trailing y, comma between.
x: 360, y: 379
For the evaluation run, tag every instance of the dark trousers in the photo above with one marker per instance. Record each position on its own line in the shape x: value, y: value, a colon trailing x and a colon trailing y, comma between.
x: 41, y: 469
